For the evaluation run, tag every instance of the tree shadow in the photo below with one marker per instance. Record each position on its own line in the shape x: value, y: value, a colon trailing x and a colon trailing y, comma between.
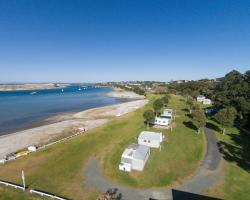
x: 185, y: 110
x: 190, y: 125
x: 237, y: 152
x: 213, y: 126
x: 151, y: 124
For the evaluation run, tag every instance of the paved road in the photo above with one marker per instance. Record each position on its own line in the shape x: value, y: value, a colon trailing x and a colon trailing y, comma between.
x: 205, y: 177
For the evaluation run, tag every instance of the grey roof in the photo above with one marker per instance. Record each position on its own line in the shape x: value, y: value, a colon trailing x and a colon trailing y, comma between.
x: 141, y: 151
x: 148, y: 135
x: 165, y: 116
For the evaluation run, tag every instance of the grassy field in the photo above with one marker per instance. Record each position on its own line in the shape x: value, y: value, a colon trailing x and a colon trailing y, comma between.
x: 235, y: 181
x: 59, y: 169
x: 178, y: 157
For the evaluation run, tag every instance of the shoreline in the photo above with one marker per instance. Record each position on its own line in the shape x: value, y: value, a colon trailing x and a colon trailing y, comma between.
x: 54, y: 126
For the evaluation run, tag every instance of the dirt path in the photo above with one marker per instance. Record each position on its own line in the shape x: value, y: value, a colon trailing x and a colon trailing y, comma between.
x: 205, y: 177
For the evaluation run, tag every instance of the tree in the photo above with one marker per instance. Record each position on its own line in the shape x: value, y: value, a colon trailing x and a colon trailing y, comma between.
x: 199, y: 118
x: 139, y: 91
x: 165, y: 100
x: 149, y: 116
x: 160, y: 89
x: 158, y: 105
x: 190, y: 104
x: 226, y: 117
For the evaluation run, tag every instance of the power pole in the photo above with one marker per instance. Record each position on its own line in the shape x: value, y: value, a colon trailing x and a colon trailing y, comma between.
x: 23, y: 179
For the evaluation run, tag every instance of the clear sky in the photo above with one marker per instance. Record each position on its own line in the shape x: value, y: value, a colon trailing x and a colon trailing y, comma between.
x: 113, y: 40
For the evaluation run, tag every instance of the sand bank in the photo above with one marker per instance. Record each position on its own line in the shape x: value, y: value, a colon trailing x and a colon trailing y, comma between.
x: 119, y: 93
x: 89, y: 118
x: 12, y: 87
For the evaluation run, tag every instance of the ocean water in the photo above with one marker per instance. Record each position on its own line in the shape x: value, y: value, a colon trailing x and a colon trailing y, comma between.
x: 20, y: 109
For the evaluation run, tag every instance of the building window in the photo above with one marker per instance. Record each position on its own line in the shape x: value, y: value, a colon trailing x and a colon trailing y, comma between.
x: 148, y: 141
x: 144, y: 140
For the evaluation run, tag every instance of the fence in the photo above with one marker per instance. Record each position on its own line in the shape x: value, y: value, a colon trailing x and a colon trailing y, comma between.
x: 46, y: 194
x: 3, y: 161
x: 12, y: 185
x: 8, y: 184
x: 58, y: 141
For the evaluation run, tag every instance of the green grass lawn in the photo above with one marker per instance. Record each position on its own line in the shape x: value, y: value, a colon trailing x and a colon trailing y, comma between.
x: 235, y: 182
x: 59, y: 169
x: 178, y: 157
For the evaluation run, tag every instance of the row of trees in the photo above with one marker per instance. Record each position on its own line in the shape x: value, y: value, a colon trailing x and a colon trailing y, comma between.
x: 225, y: 116
x: 229, y: 93
x: 197, y: 113
x: 135, y: 89
x: 158, y: 104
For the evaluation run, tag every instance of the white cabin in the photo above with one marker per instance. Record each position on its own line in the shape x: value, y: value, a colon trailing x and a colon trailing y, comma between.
x: 162, y: 120
x: 150, y: 139
x: 200, y: 98
x: 207, y: 101
x: 134, y: 158
x: 168, y: 113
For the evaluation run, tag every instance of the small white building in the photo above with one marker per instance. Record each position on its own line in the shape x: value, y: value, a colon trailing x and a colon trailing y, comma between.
x: 134, y: 158
x: 207, y: 101
x: 162, y: 121
x: 150, y: 139
x: 200, y: 98
x: 168, y: 113
x: 165, y: 118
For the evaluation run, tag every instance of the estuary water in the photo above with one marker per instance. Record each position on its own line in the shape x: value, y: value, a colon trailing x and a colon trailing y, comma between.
x: 20, y: 109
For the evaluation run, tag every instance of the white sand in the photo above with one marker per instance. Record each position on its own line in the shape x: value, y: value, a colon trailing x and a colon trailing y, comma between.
x: 88, y: 118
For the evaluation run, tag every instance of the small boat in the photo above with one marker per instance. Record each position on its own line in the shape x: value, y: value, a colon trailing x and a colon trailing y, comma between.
x: 33, y: 93
x: 62, y: 90
x: 22, y: 153
x: 79, y: 89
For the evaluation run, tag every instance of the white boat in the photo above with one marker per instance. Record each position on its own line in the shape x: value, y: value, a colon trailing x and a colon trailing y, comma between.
x: 62, y: 90
x: 33, y: 93
x: 79, y: 89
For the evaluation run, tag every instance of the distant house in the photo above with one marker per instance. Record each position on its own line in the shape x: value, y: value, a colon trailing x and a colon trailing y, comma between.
x: 165, y: 118
x: 134, y: 157
x: 150, y: 139
x: 204, y: 100
x: 200, y: 98
x: 207, y: 101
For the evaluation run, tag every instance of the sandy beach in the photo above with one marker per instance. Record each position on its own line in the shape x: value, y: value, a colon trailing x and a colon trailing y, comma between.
x: 57, y: 124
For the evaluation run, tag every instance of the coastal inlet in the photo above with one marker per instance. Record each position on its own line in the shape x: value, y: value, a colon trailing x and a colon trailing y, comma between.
x: 22, y: 109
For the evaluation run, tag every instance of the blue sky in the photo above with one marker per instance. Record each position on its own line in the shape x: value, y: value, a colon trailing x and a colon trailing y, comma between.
x: 113, y: 40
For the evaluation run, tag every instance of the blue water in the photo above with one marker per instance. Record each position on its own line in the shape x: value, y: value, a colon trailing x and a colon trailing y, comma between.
x: 20, y: 109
